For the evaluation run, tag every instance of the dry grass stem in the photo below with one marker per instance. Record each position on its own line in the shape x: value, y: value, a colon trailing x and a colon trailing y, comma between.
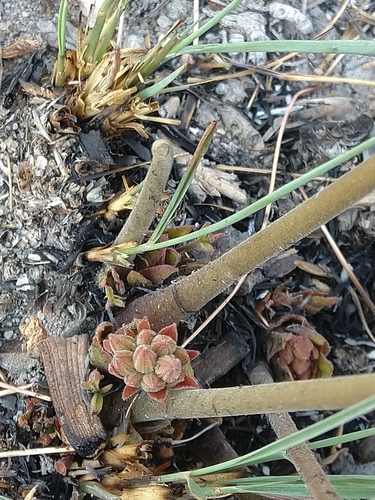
x: 215, y: 312
x: 278, y: 149
x: 10, y: 389
x: 48, y: 450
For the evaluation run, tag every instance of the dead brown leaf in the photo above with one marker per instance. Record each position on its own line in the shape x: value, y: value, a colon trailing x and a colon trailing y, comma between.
x: 23, y: 45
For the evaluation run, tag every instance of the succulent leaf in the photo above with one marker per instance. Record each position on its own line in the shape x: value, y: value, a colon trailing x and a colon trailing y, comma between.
x: 148, y: 360
x: 168, y: 368
x: 163, y: 344
x: 144, y: 359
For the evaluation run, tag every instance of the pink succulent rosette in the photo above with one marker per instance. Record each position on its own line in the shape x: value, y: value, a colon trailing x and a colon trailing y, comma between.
x: 296, y: 351
x: 148, y: 360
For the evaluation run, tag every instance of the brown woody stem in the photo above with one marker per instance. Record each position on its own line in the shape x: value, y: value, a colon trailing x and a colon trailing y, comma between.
x: 143, y: 213
x: 301, y: 456
x: 190, y: 294
x: 318, y: 394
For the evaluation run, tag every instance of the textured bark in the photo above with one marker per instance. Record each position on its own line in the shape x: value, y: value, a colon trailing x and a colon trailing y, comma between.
x: 64, y: 362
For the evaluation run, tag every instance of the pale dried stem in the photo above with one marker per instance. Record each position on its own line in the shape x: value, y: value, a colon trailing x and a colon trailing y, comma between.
x: 47, y: 450
x: 301, y: 456
x: 215, y: 312
x: 278, y: 149
x: 306, y: 395
x: 11, y: 389
x: 143, y: 213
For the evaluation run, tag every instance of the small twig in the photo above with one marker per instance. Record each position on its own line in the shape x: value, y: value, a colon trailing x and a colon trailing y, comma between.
x: 176, y: 442
x: 10, y: 183
x: 215, y: 313
x: 143, y: 213
x: 358, y: 304
x: 120, y: 30
x: 278, y: 148
x: 349, y: 271
x: 10, y: 389
x: 301, y: 456
x: 36, y: 451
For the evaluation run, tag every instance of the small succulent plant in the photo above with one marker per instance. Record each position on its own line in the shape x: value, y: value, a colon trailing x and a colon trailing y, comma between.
x: 296, y: 351
x: 92, y: 386
x: 148, y: 360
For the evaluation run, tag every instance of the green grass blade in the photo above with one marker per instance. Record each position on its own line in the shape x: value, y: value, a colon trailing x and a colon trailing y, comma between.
x: 345, y: 438
x: 61, y: 26
x: 151, y: 61
x: 157, y: 87
x: 263, y: 202
x: 184, y: 184
x: 328, y: 442
x: 108, y: 31
x: 347, y: 487
x: 104, y: 13
x: 357, y: 47
x: 97, y: 491
x: 58, y: 77
x: 203, y: 29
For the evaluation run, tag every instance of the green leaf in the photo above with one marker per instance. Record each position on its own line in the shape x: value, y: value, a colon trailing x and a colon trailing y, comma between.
x: 183, y: 185
x: 194, y: 489
x: 207, y: 26
x: 157, y: 87
x: 357, y: 47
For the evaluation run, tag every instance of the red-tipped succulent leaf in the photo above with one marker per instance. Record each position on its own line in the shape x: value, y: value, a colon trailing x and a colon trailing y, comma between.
x: 148, y: 360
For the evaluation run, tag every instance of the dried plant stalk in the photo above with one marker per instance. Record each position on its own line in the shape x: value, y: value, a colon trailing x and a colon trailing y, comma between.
x: 64, y: 362
x: 318, y: 394
x: 143, y: 213
x: 301, y: 456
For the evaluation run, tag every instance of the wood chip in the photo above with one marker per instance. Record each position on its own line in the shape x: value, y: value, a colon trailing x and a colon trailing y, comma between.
x: 64, y: 362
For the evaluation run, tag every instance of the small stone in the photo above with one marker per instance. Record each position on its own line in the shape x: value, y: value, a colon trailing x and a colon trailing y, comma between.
x: 164, y: 22
x: 8, y: 334
x: 23, y: 283
x: 34, y: 257
x: 41, y: 162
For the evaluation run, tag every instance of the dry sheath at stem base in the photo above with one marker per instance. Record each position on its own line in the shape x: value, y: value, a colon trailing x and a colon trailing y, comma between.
x: 64, y: 361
